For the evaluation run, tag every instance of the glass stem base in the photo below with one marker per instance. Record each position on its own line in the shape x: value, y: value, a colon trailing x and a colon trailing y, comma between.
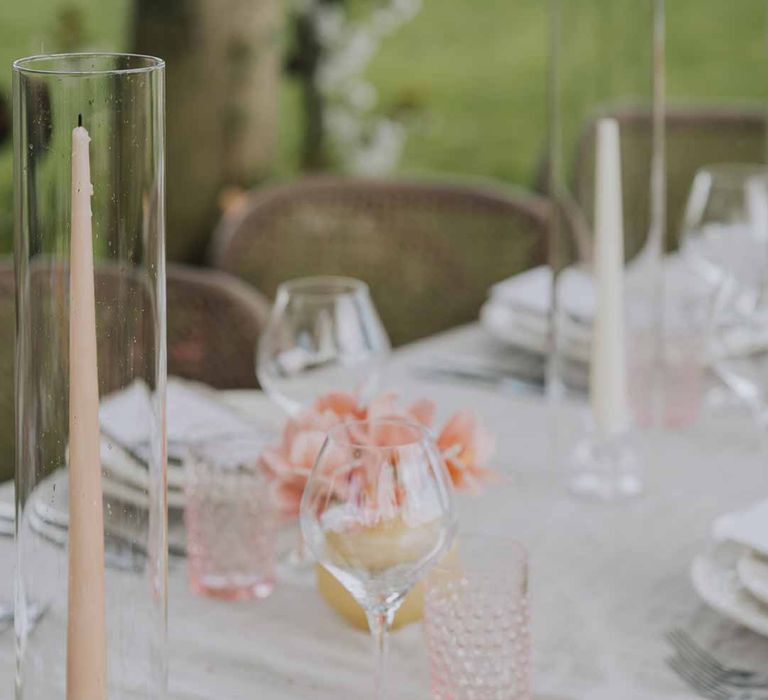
x: 380, y: 622
x: 606, y: 468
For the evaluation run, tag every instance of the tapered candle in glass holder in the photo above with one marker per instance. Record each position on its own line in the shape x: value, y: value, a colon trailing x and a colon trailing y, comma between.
x: 90, y: 490
x: 606, y: 183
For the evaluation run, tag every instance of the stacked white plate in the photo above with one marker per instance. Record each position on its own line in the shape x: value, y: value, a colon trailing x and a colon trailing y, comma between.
x: 517, y: 311
x: 195, y: 415
x: 733, y: 576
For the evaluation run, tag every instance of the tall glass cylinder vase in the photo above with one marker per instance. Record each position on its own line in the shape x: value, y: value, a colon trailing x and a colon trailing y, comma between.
x: 607, y: 187
x: 90, y: 377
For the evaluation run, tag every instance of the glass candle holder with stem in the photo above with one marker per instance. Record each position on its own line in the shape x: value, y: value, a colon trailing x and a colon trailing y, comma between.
x: 607, y: 187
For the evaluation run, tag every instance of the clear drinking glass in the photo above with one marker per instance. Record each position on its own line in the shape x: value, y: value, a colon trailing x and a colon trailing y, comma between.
x: 324, y: 334
x: 377, y: 512
x: 725, y: 229
x: 91, y: 327
x: 686, y: 308
x: 725, y: 239
x: 476, y: 621
x: 230, y: 522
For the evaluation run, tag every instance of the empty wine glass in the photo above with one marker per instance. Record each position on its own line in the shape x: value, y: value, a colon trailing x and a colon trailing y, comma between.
x: 377, y: 512
x: 725, y: 238
x: 324, y: 334
x: 725, y: 230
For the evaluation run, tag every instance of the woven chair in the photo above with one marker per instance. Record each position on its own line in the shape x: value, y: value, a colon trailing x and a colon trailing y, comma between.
x: 694, y: 138
x: 214, y: 322
x: 7, y: 394
x: 428, y: 252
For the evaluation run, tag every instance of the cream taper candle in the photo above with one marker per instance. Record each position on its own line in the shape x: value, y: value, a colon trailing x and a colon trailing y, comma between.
x: 86, y: 630
x: 608, y: 381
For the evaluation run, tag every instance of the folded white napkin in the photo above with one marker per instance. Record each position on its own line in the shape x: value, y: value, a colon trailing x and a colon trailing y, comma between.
x: 194, y: 415
x: 748, y: 527
x: 531, y: 291
x: 517, y: 309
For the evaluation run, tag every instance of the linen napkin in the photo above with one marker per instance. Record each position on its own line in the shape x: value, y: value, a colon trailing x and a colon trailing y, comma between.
x: 748, y: 528
x: 194, y: 415
x: 517, y: 311
x: 531, y: 292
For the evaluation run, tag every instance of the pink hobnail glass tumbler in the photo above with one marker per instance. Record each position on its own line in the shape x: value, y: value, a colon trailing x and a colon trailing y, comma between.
x: 666, y: 374
x: 230, y: 522
x: 476, y: 621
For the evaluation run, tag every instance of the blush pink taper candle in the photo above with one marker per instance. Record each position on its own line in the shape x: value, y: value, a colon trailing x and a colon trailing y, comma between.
x: 86, y: 630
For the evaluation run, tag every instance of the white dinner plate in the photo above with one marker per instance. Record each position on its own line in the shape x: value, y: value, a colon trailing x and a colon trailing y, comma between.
x: 717, y: 582
x: 128, y: 480
x: 753, y: 574
x: 521, y: 329
x: 130, y: 495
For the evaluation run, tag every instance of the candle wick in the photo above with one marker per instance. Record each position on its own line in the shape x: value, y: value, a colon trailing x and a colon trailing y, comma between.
x: 79, y: 119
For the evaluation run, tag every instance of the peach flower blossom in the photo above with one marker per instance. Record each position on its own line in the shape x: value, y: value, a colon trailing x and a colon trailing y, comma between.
x: 466, y: 447
x: 422, y: 412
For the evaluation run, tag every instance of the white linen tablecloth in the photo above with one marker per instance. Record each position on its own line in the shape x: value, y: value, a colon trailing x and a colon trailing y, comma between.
x: 606, y: 580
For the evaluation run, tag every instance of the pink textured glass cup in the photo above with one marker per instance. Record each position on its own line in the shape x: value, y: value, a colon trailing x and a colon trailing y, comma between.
x: 230, y: 522
x: 682, y: 381
x: 476, y: 621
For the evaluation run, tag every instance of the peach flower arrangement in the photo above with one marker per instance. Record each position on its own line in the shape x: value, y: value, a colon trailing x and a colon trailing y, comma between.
x: 466, y: 447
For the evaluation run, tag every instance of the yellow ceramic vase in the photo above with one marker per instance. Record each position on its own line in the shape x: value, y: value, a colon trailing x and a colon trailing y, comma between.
x: 341, y: 600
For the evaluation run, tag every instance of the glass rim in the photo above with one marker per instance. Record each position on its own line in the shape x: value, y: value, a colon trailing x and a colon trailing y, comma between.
x: 226, y: 454
x: 27, y: 64
x: 513, y: 543
x: 319, y: 286
x: 421, y: 433
x: 733, y: 172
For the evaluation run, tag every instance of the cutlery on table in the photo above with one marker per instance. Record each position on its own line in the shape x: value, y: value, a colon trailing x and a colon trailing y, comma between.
x: 706, y: 688
x: 702, y: 687
x: 497, y: 376
x: 705, y: 665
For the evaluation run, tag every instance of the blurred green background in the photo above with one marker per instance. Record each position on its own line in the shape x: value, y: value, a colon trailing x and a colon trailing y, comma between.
x: 469, y: 80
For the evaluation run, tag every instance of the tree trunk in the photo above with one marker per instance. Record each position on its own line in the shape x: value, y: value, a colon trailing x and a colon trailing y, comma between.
x: 222, y: 79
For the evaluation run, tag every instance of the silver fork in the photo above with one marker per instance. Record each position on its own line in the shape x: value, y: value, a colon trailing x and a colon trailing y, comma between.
x: 703, y: 664
x: 708, y: 688
x: 702, y: 686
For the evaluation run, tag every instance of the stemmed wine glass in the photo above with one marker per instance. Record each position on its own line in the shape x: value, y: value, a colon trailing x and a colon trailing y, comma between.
x: 324, y: 334
x: 377, y: 512
x: 725, y: 238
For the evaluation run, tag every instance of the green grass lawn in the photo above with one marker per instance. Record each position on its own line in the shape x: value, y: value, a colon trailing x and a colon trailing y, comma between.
x: 478, y: 71
x: 39, y: 26
x: 473, y: 74
x: 476, y: 74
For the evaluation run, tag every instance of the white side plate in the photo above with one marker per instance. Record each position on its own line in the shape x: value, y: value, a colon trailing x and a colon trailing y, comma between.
x: 753, y: 574
x: 717, y: 582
